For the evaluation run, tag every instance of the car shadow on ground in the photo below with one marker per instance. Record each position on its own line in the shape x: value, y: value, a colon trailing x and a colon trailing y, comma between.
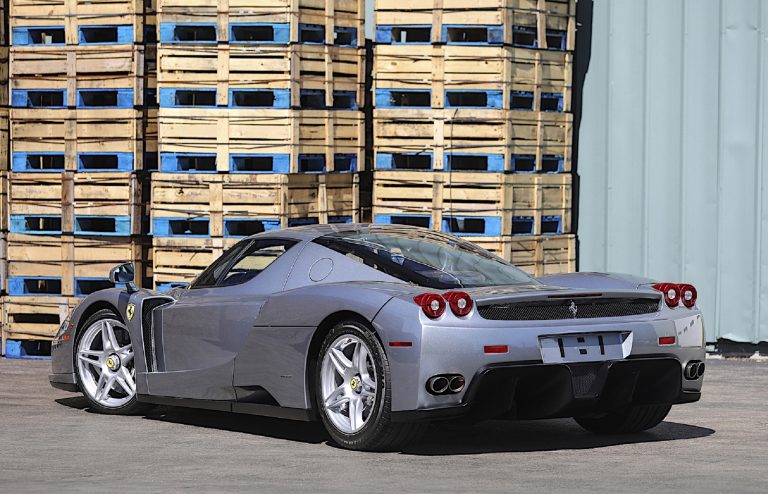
x: 447, y: 438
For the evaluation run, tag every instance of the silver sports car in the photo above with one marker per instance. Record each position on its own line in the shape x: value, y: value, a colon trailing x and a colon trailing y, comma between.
x: 376, y: 330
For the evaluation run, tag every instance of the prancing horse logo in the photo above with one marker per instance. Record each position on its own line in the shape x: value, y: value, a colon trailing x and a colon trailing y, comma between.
x: 573, y: 309
x: 130, y: 310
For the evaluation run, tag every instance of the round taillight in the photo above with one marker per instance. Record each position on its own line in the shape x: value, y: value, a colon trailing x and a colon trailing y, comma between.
x: 432, y: 304
x: 688, y: 295
x: 460, y: 302
x: 671, y: 293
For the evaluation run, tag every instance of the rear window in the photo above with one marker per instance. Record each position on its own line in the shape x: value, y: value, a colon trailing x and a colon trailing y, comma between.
x: 424, y: 258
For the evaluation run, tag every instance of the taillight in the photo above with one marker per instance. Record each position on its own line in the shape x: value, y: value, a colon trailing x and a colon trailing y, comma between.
x: 432, y: 304
x: 688, y: 295
x: 460, y: 302
x: 671, y: 293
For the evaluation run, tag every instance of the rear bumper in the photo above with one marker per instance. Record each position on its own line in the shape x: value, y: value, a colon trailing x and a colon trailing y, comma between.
x: 64, y: 381
x: 532, y: 390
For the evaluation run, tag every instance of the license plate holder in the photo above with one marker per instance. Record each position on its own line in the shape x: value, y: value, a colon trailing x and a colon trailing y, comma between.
x: 585, y: 347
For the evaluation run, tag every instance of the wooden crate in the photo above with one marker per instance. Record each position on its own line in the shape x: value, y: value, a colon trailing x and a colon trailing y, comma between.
x: 540, y: 15
x: 73, y: 131
x: 536, y: 255
x: 442, y: 68
x: 466, y: 203
x: 75, y: 64
x: 4, y: 134
x: 295, y: 67
x: 76, y: 203
x: 176, y: 262
x: 72, y: 14
x: 34, y: 318
x: 226, y: 132
x: 329, y: 13
x: 508, y: 133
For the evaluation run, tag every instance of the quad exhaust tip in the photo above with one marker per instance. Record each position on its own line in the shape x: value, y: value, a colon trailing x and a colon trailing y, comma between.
x: 694, y: 369
x: 443, y: 384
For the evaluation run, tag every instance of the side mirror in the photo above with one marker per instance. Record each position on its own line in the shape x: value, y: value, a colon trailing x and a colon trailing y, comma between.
x: 124, y: 273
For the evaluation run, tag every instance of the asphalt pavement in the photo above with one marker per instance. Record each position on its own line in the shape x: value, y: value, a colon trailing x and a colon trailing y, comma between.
x: 50, y: 442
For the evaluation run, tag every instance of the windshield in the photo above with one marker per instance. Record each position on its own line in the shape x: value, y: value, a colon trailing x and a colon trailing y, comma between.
x: 424, y: 257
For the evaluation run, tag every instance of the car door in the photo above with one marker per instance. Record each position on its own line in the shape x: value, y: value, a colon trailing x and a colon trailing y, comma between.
x: 202, y: 332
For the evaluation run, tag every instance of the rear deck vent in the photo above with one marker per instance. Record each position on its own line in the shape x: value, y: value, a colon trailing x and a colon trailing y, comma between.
x: 563, y: 309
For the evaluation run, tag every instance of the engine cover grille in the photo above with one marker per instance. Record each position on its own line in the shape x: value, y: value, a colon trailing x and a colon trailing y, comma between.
x: 569, y: 309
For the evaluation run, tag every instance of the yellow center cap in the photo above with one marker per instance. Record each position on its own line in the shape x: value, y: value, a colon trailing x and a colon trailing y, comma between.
x: 111, y: 363
x: 354, y: 382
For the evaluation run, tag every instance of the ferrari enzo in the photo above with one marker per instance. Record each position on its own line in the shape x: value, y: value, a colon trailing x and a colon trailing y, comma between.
x: 376, y: 330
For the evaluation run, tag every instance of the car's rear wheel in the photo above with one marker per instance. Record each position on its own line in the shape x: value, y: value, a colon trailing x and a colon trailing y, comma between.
x: 105, y: 366
x: 632, y: 419
x: 354, y: 394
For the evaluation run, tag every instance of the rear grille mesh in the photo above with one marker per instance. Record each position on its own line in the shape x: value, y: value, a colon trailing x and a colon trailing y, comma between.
x: 569, y: 309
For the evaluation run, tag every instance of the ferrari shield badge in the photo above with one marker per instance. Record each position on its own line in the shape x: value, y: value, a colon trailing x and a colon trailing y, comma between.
x: 130, y: 310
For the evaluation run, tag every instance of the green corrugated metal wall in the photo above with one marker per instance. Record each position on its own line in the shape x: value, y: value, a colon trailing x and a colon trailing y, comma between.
x: 672, y: 151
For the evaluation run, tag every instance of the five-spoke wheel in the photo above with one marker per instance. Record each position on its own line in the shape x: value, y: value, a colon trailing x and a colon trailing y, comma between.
x: 105, y: 364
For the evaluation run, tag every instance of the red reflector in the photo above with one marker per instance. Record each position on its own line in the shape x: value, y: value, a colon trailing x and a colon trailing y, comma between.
x: 400, y: 343
x: 667, y: 340
x: 496, y: 349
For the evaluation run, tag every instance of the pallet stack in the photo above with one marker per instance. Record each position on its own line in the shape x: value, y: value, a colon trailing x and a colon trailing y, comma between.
x: 472, y: 123
x: 260, y: 123
x: 81, y: 89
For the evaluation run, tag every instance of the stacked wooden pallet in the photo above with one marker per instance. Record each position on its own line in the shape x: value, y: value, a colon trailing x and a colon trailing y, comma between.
x: 81, y: 87
x: 472, y: 123
x: 260, y: 123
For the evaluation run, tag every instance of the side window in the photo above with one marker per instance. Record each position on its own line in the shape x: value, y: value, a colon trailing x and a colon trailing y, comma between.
x: 254, y: 260
x: 213, y: 272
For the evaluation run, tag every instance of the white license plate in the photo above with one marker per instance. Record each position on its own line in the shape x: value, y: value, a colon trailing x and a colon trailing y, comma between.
x: 587, y: 347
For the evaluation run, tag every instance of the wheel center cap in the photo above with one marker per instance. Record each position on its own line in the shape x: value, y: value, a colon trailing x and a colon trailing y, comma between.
x: 113, y: 362
x: 356, y: 384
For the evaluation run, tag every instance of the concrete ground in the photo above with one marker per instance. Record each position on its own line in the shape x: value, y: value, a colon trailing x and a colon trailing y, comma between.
x: 50, y: 442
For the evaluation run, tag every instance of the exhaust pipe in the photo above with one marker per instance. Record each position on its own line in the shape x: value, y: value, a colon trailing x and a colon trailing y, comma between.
x: 694, y: 369
x: 456, y: 383
x: 437, y: 385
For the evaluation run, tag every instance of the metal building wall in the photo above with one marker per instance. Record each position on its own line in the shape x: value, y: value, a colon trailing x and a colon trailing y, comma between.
x: 673, y: 149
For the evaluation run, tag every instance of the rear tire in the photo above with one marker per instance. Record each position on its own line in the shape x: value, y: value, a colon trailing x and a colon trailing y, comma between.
x: 352, y: 375
x: 633, y: 419
x: 103, y: 361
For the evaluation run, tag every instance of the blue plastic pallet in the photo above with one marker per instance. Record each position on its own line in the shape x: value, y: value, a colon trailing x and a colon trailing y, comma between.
x: 493, y: 162
x: 522, y: 225
x: 28, y: 349
x: 38, y: 286
x: 123, y: 98
x: 176, y: 162
x: 315, y: 221
x: 86, y: 286
x: 493, y: 98
x: 551, y: 225
x: 553, y: 102
x: 524, y: 163
x: 169, y: 34
x: 487, y: 226
x: 388, y: 161
x: 36, y: 224
x: 36, y: 35
x: 266, y: 163
x: 494, y: 34
x: 387, y: 33
x: 23, y: 162
x: 423, y: 220
x: 281, y: 98
x: 181, y: 227
x: 168, y: 97
x: 112, y: 225
x: 123, y: 162
x: 245, y: 227
x: 280, y: 33
x: 388, y: 98
x: 26, y: 98
x: 342, y: 33
x: 123, y: 35
x: 170, y: 285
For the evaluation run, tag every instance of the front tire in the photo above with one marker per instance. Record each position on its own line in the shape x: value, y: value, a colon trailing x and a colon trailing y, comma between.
x: 104, y: 365
x: 633, y: 419
x: 353, y: 392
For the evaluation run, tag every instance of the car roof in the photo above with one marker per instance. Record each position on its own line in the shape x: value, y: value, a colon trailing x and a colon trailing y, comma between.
x: 311, y: 232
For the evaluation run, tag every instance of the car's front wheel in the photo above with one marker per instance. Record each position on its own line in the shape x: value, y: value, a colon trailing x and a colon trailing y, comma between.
x: 632, y: 419
x: 354, y: 393
x: 105, y: 366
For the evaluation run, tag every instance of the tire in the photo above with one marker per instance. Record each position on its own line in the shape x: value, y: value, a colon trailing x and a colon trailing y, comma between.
x: 377, y: 432
x: 633, y: 419
x: 116, y: 394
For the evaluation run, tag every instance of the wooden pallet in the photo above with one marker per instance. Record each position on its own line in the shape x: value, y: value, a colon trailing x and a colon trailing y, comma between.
x: 224, y: 132
x: 76, y: 202
x: 245, y: 66
x: 73, y: 63
x: 473, y: 131
x: 73, y: 131
x: 176, y: 262
x: 541, y: 15
x: 444, y: 68
x: 4, y: 134
x: 330, y: 13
